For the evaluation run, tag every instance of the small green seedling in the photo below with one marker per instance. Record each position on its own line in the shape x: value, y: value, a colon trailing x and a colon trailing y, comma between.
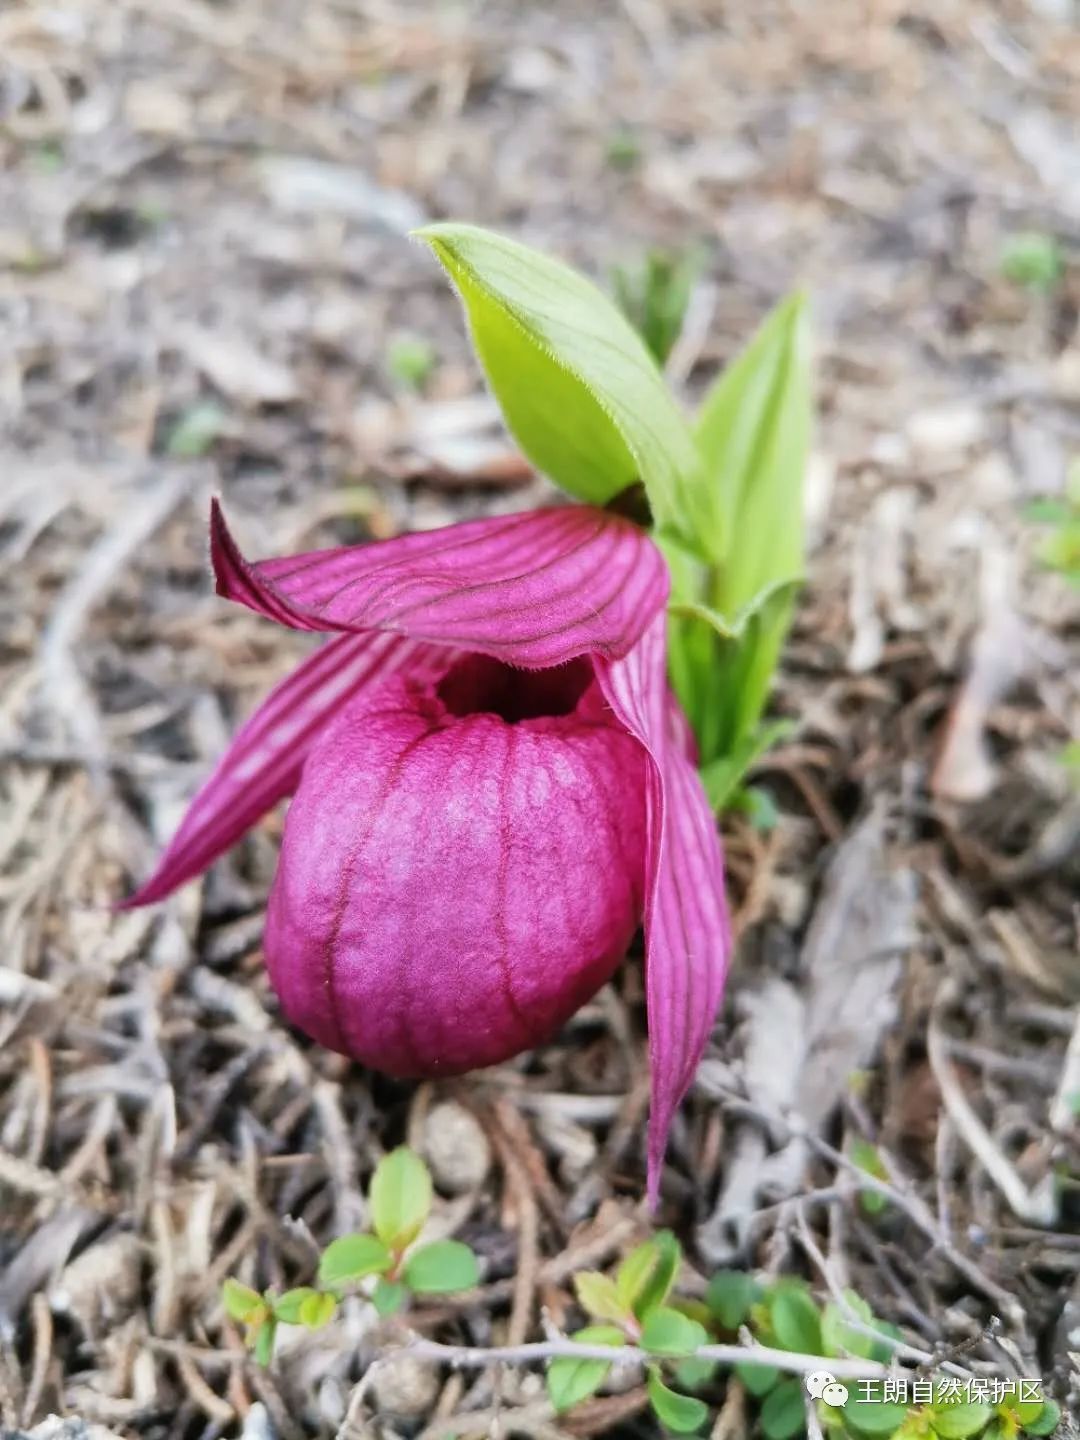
x: 195, y: 430
x: 388, y: 1261
x: 411, y: 361
x: 1033, y: 261
x: 654, y: 296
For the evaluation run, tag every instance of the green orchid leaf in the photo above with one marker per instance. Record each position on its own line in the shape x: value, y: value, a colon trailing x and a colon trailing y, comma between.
x: 442, y: 1267
x: 722, y: 777
x: 682, y: 1414
x: 669, y: 1332
x: 570, y: 1381
x: 754, y: 433
x: 352, y: 1258
x: 578, y: 389
x: 400, y: 1198
x: 783, y: 1415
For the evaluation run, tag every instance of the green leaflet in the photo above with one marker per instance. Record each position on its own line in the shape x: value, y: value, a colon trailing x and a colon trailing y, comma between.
x: 682, y: 1414
x: 754, y: 433
x: 441, y: 1267
x: 400, y: 1197
x: 578, y: 389
x: 570, y: 1381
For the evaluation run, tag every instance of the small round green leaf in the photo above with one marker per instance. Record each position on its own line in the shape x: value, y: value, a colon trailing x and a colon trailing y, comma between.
x: 959, y: 1422
x: 1025, y: 1411
x: 730, y: 1296
x: 443, y: 1266
x: 570, y: 1381
x: 661, y: 1277
x: 874, y: 1417
x: 681, y: 1413
x: 352, y: 1258
x: 240, y: 1301
x: 388, y: 1297
x: 783, y: 1414
x: 795, y: 1319
x: 757, y: 1379
x: 693, y: 1374
x: 317, y: 1310
x: 838, y: 1334
x: 669, y: 1332
x: 1047, y: 1421
x: 400, y: 1197
x: 287, y: 1307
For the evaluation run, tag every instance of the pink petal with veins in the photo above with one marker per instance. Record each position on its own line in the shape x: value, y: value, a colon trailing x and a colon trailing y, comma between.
x: 262, y: 764
x: 533, y: 589
x: 687, y: 932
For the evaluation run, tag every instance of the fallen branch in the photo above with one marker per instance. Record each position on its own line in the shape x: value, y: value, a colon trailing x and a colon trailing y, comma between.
x: 536, y: 1351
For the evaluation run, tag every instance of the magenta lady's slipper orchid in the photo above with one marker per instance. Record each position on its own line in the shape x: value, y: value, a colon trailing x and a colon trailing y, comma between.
x: 491, y: 790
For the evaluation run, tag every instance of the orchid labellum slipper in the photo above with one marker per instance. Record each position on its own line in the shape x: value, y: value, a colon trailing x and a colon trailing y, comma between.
x: 492, y: 788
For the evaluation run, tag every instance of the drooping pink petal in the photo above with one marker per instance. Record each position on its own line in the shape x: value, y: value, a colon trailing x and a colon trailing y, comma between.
x: 534, y: 589
x: 687, y: 933
x: 263, y: 763
x: 462, y: 867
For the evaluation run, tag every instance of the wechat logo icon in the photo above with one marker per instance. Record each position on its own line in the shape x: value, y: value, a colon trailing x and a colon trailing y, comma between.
x: 821, y: 1385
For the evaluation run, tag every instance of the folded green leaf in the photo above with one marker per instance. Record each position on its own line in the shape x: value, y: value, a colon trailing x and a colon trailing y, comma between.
x: 670, y: 1332
x: 754, y: 433
x: 646, y: 1276
x: 579, y: 390
x: 570, y: 1381
x: 681, y: 1413
x: 352, y: 1258
x: 400, y: 1197
x: 600, y: 1298
x: 441, y: 1267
